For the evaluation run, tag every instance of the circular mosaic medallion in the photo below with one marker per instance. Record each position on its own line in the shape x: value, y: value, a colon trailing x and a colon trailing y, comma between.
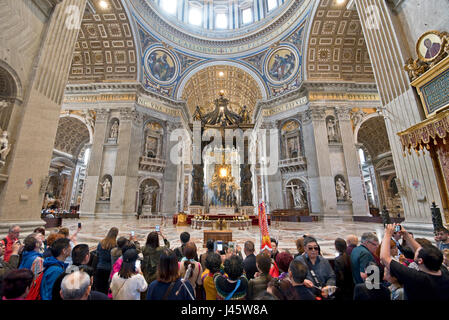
x: 161, y: 65
x: 281, y: 65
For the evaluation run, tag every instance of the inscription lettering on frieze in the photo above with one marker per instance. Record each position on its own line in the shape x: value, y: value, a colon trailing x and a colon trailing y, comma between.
x: 158, y: 107
x: 436, y: 93
x: 102, y: 97
x: 285, y: 107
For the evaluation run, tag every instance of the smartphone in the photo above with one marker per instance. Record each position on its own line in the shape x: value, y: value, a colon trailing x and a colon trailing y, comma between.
x: 158, y: 228
x: 132, y: 233
x: 79, y: 225
x: 397, y: 228
x: 219, y: 245
x: 138, y: 263
x: 231, y: 245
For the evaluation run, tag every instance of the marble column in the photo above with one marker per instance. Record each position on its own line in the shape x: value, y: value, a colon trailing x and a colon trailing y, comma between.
x: 92, y: 180
x: 401, y: 109
x: 323, y: 199
x: 21, y: 196
x: 353, y: 172
x: 169, y: 200
x: 125, y: 178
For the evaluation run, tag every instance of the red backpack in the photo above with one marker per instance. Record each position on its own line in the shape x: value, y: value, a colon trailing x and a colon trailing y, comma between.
x: 35, y: 289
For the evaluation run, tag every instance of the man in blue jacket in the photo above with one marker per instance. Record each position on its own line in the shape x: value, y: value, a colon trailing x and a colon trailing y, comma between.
x: 54, y: 266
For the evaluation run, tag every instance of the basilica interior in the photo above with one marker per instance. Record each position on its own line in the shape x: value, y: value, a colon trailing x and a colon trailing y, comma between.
x: 132, y: 113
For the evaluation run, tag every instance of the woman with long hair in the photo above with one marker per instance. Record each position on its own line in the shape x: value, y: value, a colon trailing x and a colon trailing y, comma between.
x: 260, y: 282
x: 129, y: 282
x: 104, y: 265
x: 168, y: 284
x: 189, y: 260
x: 152, y: 254
x: 343, y: 273
x: 281, y: 289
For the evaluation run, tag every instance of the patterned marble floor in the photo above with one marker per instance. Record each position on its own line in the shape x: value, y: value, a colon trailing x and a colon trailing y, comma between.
x: 93, y: 230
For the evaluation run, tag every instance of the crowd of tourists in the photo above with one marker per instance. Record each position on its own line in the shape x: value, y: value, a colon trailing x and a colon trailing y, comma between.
x: 56, y: 267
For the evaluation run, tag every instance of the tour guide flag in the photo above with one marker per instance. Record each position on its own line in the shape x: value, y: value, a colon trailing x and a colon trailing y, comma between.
x: 265, y: 243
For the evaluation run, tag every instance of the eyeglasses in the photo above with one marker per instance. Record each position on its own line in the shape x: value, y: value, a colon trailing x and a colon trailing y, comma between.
x: 312, y: 248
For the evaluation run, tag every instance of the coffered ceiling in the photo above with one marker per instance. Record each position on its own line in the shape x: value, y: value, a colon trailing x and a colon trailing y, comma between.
x: 337, y: 49
x: 204, y: 87
x: 105, y: 49
x: 373, y: 135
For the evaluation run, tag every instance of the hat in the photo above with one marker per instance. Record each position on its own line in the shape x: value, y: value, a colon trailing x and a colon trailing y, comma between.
x: 130, y: 256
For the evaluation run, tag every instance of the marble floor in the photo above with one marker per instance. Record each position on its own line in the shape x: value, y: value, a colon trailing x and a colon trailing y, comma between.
x: 94, y: 229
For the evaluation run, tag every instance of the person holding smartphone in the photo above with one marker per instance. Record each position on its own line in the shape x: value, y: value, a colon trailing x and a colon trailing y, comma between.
x: 152, y: 253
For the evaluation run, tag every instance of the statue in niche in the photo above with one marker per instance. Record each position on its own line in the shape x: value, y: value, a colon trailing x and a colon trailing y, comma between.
x: 106, y: 189
x: 148, y: 195
x: 3, y: 107
x: 5, y: 147
x: 342, y: 192
x: 332, y: 130
x: 244, y: 114
x: 357, y: 117
x: 114, y: 130
x: 299, y: 198
x: 245, y: 177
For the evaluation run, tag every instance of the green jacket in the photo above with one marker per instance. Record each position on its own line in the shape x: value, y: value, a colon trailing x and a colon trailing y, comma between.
x: 257, y: 285
x: 8, y: 266
x: 150, y: 262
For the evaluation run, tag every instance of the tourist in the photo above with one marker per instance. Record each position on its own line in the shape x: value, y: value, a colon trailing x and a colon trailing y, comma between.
x: 373, y: 288
x: 249, y: 264
x: 179, y: 251
x: 443, y: 238
x: 52, y: 237
x: 93, y: 295
x: 75, y: 286
x: 66, y: 233
x: 362, y: 255
x: 129, y: 282
x: 188, y: 260
x: 283, y: 260
x: 152, y: 254
x: 343, y: 273
x: 168, y: 285
x: 13, y: 259
x: 16, y: 284
x: 118, y: 263
x: 104, y: 266
x: 9, y: 240
x: 431, y: 282
x: 235, y: 286
x: 41, y: 238
x: 299, y: 246
x: 116, y: 252
x: 54, y: 266
x: 352, y: 241
x: 297, y: 273
x: 407, y: 257
x: 320, y: 273
x: 210, y: 249
x: 260, y: 282
x: 80, y: 256
x: 265, y: 295
x: 31, y: 255
x: 396, y: 237
x: 396, y: 289
x: 282, y: 289
x: 213, y: 265
x: 274, y: 246
x: 393, y: 250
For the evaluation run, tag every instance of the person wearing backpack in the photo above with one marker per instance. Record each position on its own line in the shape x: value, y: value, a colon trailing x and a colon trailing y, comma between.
x: 54, y: 266
x: 152, y: 254
x: 13, y: 263
x: 31, y: 255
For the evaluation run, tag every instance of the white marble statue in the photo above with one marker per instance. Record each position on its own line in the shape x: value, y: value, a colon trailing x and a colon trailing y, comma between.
x: 114, y: 130
x: 331, y: 130
x: 106, y: 189
x: 340, y: 188
x: 5, y: 147
x: 299, y: 198
x: 148, y: 195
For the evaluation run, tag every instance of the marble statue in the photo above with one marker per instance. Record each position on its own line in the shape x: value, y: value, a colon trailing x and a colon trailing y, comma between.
x: 114, y: 130
x: 3, y: 107
x: 298, y: 197
x: 357, y: 117
x: 340, y: 187
x: 148, y: 195
x: 106, y: 189
x: 5, y: 147
x: 331, y: 130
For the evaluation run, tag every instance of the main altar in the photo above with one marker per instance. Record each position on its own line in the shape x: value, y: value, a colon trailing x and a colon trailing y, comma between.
x: 222, y: 177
